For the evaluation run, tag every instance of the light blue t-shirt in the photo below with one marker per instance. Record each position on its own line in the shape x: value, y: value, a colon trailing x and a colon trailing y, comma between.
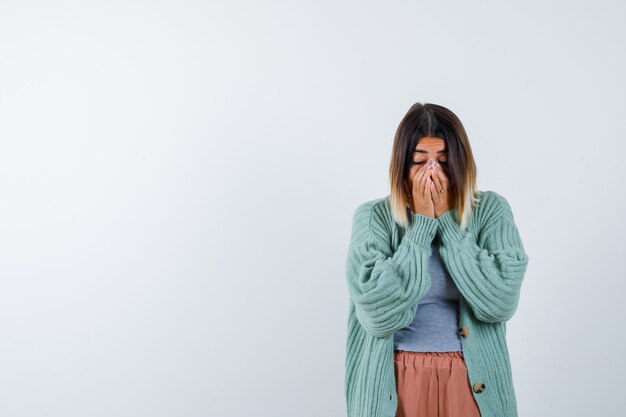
x: 435, y: 327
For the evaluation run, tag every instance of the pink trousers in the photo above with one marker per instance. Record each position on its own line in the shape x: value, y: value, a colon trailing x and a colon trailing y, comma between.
x: 433, y: 384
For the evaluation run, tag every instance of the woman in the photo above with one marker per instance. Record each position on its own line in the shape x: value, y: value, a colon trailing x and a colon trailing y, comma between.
x: 434, y: 271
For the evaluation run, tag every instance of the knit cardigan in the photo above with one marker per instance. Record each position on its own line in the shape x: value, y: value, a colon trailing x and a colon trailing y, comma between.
x: 387, y: 275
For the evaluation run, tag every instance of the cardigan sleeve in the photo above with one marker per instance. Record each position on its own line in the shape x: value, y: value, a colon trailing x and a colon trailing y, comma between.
x: 385, y: 286
x: 488, y: 271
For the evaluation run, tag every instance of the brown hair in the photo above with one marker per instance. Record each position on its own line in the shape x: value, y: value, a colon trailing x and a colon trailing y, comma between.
x: 429, y: 119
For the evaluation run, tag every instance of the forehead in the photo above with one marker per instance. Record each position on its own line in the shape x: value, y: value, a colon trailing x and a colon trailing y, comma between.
x: 431, y: 142
x: 428, y: 143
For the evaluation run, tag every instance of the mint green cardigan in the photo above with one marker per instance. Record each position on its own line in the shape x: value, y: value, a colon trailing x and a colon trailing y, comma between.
x: 387, y: 274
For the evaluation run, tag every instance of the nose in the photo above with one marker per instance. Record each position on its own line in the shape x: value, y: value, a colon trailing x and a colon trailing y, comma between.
x: 431, y: 164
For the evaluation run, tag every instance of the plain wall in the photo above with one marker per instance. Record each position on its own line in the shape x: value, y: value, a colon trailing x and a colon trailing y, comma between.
x: 178, y: 179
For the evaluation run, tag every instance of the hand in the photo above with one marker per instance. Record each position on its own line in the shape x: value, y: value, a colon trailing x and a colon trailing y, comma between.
x: 421, y: 193
x: 441, y: 201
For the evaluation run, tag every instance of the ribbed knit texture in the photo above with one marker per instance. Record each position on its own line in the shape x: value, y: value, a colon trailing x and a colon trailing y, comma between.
x: 387, y: 274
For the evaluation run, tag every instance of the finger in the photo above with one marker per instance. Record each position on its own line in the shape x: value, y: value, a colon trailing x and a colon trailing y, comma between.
x: 417, y: 174
x: 442, y: 177
x: 433, y: 192
x: 429, y: 186
x: 423, y: 183
x: 438, y: 184
x: 433, y: 179
x: 416, y: 180
x: 421, y: 179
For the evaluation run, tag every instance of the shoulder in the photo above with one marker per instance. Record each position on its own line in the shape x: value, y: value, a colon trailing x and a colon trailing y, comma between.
x: 492, y: 206
x: 371, y: 207
x: 494, y: 200
x: 370, y: 214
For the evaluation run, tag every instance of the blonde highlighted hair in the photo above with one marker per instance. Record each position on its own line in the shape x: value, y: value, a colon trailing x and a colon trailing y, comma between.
x: 432, y: 120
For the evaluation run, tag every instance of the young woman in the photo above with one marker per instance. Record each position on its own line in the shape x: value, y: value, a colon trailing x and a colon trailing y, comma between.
x: 434, y: 271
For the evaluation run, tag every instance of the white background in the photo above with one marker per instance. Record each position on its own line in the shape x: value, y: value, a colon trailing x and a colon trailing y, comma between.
x: 177, y: 182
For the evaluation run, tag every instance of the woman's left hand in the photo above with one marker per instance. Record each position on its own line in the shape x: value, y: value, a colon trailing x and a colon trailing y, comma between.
x: 441, y: 200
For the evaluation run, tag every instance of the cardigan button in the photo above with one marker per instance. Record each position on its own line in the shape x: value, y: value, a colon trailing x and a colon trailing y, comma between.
x: 479, y: 387
x: 464, y: 331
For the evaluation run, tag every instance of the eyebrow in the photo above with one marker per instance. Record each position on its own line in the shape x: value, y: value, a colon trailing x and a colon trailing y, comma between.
x: 425, y: 151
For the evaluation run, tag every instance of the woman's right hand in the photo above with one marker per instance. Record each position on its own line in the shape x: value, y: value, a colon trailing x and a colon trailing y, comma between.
x: 422, y: 200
